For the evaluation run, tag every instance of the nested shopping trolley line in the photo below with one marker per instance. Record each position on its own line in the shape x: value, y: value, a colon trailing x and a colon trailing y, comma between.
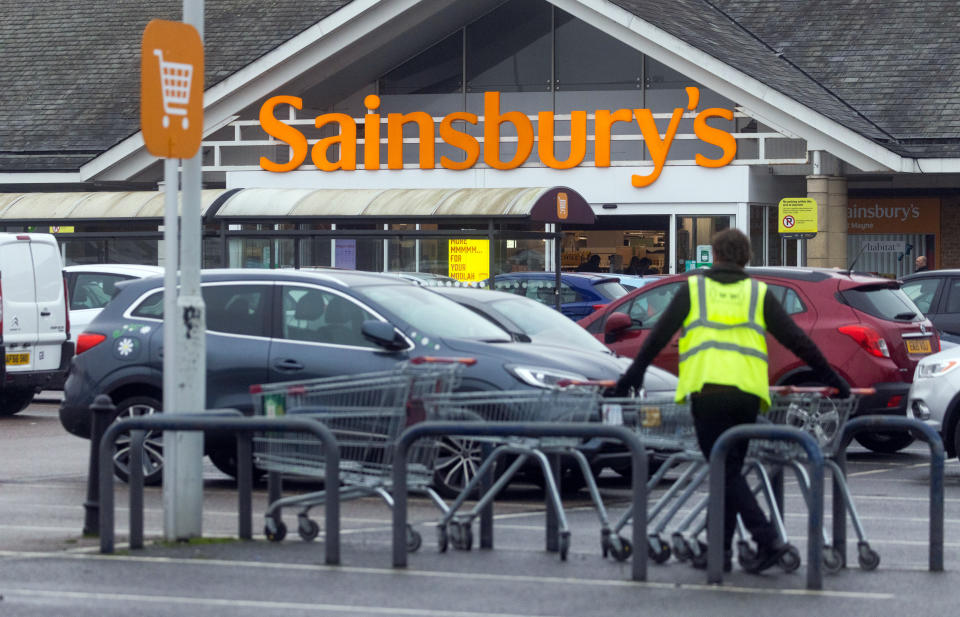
x: 366, y: 413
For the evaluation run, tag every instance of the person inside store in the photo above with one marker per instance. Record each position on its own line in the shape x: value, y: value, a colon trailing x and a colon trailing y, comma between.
x: 921, y: 263
x: 723, y: 372
x: 590, y: 265
x: 638, y: 266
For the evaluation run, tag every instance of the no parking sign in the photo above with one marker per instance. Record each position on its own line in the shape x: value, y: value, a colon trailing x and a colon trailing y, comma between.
x: 797, y: 217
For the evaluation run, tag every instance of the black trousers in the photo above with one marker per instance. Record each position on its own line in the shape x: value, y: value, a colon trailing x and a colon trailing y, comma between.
x: 716, y: 409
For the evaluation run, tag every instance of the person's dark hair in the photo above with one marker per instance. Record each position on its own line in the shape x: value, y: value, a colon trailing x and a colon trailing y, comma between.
x: 644, y: 261
x: 731, y: 246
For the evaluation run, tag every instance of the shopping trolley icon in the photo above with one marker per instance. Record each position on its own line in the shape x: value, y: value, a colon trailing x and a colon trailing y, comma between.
x: 175, y: 78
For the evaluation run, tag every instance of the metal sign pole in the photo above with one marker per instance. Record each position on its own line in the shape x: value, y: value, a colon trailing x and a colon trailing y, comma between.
x: 183, y: 475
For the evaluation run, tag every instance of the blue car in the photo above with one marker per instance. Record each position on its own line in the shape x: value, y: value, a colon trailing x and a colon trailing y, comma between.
x: 580, y: 292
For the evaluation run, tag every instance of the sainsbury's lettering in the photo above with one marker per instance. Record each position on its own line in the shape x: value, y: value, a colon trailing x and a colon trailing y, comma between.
x: 345, y: 140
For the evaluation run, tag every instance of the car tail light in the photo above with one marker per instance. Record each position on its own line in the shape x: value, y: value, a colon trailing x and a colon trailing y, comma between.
x: 66, y: 306
x: 868, y: 338
x: 894, y: 401
x: 88, y: 341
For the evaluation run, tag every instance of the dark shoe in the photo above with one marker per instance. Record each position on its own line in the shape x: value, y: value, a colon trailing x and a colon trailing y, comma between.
x: 767, y: 557
x: 700, y: 561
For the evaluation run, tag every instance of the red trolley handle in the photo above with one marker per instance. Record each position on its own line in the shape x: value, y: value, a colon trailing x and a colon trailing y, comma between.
x: 602, y: 383
x: 441, y: 360
x: 823, y: 390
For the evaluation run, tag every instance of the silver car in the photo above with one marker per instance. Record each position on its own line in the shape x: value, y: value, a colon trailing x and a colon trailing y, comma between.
x: 935, y: 396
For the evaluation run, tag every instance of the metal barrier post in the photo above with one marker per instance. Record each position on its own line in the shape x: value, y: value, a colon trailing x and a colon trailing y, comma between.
x: 715, y: 513
x: 204, y: 422
x: 839, y: 510
x: 518, y: 429
x: 552, y: 528
x: 486, y: 514
x: 244, y: 486
x: 928, y: 434
x: 101, y: 413
x: 136, y: 488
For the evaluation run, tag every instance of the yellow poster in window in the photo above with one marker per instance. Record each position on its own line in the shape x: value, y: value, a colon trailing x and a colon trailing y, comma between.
x: 469, y: 260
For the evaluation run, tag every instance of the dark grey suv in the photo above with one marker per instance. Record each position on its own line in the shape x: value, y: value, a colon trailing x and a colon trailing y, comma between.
x: 268, y: 326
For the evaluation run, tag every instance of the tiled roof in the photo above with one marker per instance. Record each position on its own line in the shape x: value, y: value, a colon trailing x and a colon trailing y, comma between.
x: 70, y: 71
x: 888, y: 69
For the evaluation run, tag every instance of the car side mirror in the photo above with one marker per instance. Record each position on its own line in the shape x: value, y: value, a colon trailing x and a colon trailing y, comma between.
x: 614, y: 326
x: 383, y: 334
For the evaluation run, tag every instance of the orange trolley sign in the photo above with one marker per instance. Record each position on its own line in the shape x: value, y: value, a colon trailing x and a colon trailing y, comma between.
x: 171, y: 89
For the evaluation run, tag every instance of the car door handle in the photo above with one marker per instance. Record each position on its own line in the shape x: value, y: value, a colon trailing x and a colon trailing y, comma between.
x: 288, y: 364
x: 45, y: 313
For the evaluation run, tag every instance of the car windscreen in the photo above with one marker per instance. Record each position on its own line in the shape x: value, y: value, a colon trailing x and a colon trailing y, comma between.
x: 610, y: 290
x: 546, y: 325
x: 431, y: 314
x: 884, y: 302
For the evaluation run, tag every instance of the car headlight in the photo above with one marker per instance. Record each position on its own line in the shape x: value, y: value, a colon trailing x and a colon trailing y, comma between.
x: 542, y: 377
x: 926, y: 370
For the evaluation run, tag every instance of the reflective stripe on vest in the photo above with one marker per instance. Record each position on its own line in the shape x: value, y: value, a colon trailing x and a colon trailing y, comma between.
x: 726, y: 345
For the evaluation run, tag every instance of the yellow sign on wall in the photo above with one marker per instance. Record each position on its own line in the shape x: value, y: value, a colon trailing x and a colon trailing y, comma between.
x: 797, y: 215
x: 469, y: 260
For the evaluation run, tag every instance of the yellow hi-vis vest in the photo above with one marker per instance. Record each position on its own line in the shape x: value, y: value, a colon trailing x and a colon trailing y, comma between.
x: 724, y: 339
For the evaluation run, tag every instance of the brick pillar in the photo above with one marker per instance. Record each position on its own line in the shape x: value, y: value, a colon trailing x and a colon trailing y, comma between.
x: 829, y: 248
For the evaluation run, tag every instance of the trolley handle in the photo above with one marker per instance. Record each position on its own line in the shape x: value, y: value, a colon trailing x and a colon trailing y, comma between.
x: 601, y: 383
x: 826, y: 391
x: 441, y: 360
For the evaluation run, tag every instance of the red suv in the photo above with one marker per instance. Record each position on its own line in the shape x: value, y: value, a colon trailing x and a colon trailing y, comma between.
x: 871, y: 333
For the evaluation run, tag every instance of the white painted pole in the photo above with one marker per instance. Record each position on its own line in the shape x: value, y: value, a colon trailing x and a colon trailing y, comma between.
x: 183, y: 473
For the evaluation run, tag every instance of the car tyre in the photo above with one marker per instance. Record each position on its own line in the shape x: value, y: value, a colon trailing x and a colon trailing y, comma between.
x: 884, y: 442
x: 456, y: 463
x: 226, y: 461
x: 15, y: 400
x: 133, y: 407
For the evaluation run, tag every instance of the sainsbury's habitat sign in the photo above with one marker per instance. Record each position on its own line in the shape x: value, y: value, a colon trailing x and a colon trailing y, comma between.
x: 494, y: 117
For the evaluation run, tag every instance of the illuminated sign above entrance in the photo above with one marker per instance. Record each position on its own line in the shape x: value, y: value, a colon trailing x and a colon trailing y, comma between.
x: 345, y: 143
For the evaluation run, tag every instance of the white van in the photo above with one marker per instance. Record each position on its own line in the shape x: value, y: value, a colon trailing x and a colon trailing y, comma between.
x: 33, y: 314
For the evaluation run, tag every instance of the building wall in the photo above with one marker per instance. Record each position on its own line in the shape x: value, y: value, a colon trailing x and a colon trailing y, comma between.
x: 950, y: 232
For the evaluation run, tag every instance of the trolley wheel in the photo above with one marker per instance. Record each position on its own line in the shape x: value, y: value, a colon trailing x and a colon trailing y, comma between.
x: 832, y: 560
x: 658, y: 550
x: 461, y: 535
x: 868, y: 558
x: 414, y: 539
x: 307, y: 528
x: 790, y: 560
x: 564, y: 545
x: 442, y: 538
x: 681, y: 550
x: 275, y: 530
x: 620, y: 548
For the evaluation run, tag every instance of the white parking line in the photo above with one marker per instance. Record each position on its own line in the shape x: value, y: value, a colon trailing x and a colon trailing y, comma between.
x: 469, y: 576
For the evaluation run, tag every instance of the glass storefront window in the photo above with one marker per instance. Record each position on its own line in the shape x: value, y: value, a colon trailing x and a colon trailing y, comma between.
x: 508, y: 50
x: 590, y: 59
x: 437, y: 70
x: 694, y: 232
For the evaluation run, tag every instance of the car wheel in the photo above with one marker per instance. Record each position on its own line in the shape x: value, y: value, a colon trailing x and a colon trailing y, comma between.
x: 884, y: 442
x: 226, y: 461
x: 15, y: 400
x: 132, y: 407
x: 456, y: 463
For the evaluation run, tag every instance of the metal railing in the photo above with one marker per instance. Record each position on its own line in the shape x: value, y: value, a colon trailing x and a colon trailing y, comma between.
x: 521, y: 429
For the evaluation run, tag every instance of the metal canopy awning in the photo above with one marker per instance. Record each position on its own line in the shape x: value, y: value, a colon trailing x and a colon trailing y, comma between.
x: 106, y: 205
x: 540, y: 205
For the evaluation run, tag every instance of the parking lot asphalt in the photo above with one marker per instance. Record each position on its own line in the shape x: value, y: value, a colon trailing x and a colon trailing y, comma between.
x: 48, y: 568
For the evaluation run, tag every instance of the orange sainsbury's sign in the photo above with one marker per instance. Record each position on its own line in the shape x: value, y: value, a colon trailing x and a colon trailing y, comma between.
x: 604, y: 120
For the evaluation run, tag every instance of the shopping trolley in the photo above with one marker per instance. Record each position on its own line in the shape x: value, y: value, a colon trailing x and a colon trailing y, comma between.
x: 809, y: 409
x: 366, y: 413
x: 665, y: 427
x: 175, y: 78
x: 570, y: 402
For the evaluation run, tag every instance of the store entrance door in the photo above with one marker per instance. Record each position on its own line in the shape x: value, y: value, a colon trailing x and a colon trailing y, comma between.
x: 625, y: 244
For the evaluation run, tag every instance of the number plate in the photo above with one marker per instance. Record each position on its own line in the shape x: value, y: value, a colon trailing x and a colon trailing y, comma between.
x: 914, y: 345
x: 18, y: 359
